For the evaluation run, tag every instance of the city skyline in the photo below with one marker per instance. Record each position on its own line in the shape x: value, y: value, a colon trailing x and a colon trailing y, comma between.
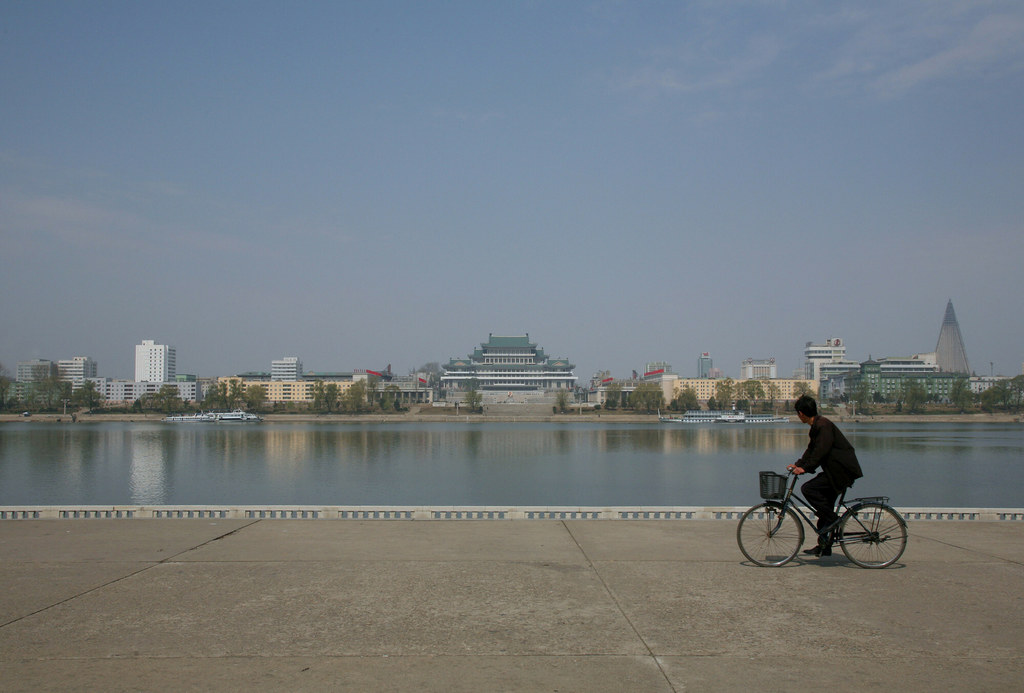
x: 359, y: 185
x: 949, y: 322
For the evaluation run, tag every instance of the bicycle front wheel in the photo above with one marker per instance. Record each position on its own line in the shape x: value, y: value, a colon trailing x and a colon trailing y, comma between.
x: 767, y: 536
x: 873, y: 535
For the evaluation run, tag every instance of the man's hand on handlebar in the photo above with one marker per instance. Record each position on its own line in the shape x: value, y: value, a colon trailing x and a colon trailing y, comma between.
x: 796, y: 470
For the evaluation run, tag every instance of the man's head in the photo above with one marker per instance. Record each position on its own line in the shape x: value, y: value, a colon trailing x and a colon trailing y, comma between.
x: 806, y: 406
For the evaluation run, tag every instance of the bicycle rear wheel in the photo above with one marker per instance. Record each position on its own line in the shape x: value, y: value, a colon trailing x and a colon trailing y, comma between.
x: 873, y: 535
x: 767, y: 537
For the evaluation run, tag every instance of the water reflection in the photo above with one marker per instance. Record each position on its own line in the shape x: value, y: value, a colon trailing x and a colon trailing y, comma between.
x: 487, y: 464
x: 148, y: 473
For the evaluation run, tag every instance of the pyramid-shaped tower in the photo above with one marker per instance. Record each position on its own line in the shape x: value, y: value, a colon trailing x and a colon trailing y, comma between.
x: 949, y: 352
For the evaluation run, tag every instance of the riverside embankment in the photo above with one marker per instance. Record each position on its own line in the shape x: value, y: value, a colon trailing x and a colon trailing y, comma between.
x: 581, y: 605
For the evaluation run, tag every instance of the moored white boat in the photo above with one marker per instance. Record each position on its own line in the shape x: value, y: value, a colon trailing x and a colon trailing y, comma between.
x: 766, y: 418
x: 698, y: 416
x: 236, y: 416
x: 201, y: 417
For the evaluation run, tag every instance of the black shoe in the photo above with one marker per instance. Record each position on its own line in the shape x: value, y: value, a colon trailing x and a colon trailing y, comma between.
x: 819, y: 551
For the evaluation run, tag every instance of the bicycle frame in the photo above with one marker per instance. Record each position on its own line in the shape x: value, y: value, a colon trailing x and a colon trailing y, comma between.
x: 842, y: 510
x: 786, y: 502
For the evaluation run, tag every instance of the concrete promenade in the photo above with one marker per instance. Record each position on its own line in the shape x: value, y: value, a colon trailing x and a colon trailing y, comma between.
x: 468, y: 605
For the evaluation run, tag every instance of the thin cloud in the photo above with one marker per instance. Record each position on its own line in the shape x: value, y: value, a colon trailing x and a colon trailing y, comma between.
x: 702, y: 70
x: 69, y: 224
x: 901, y: 47
x: 886, y: 50
x: 994, y: 42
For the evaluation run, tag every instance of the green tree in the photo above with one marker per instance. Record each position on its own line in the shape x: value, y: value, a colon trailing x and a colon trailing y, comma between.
x: 49, y: 392
x: 236, y: 394
x: 862, y: 396
x: 167, y: 399
x: 803, y: 388
x: 613, y: 396
x: 1015, y: 392
x: 217, y: 396
x: 372, y: 386
x: 87, y: 396
x: 686, y: 400
x: 5, y: 386
x: 562, y: 401
x: 255, y: 396
x: 389, y: 398
x: 355, y: 397
x: 773, y: 392
x: 960, y: 394
x: 331, y: 396
x: 646, y: 397
x: 725, y: 393
x: 754, y: 390
x: 472, y: 398
x: 915, y: 395
x: 319, y: 396
x: 992, y: 398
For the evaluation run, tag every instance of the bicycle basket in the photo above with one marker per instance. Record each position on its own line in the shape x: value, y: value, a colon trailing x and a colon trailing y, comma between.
x: 773, y: 486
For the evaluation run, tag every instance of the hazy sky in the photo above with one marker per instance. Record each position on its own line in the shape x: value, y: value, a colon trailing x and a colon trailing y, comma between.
x: 364, y: 183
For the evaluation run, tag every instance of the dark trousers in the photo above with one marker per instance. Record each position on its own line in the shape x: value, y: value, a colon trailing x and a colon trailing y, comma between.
x: 822, y: 497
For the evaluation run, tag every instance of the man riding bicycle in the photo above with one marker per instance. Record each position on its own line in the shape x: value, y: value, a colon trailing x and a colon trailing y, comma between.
x: 829, y: 449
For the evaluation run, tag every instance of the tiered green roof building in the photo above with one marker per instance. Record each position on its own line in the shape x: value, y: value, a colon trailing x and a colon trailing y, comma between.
x: 509, y: 363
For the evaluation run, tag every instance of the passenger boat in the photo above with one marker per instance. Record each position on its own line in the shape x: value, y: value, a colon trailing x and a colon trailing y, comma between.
x: 712, y: 416
x: 766, y: 418
x: 236, y: 416
x: 191, y: 418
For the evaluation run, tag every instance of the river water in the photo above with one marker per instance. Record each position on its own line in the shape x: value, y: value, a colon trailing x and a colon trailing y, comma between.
x: 493, y: 464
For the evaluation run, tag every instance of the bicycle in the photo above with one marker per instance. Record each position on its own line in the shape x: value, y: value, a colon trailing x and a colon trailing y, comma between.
x: 870, y: 532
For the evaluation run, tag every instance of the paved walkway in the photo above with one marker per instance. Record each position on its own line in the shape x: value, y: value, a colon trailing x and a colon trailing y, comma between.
x: 497, y: 605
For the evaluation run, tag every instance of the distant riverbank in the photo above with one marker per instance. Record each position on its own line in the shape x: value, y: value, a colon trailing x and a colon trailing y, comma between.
x: 443, y: 416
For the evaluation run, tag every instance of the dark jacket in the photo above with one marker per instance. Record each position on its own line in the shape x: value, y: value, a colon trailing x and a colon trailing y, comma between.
x: 830, y: 450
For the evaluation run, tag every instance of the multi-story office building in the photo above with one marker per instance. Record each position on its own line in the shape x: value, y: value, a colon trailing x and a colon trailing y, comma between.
x: 884, y: 378
x: 831, y: 353
x: 980, y: 383
x: 76, y: 370
x: 509, y: 363
x: 288, y: 368
x: 657, y: 370
x: 704, y: 365
x: 758, y: 369
x: 36, y: 370
x: 154, y: 363
x: 127, y: 391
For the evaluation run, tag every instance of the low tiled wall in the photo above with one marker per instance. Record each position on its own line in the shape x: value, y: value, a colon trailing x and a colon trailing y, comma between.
x: 340, y: 512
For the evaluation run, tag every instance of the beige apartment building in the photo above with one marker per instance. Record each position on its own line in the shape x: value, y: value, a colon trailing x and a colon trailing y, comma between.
x: 706, y: 388
x: 406, y: 389
x: 284, y: 391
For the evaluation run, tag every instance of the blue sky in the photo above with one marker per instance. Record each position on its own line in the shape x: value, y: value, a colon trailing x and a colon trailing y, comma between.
x: 360, y: 184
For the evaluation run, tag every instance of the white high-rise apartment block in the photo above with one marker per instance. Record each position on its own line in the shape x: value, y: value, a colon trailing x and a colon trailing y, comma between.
x: 76, y: 370
x: 288, y: 368
x: 833, y: 351
x: 154, y: 363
